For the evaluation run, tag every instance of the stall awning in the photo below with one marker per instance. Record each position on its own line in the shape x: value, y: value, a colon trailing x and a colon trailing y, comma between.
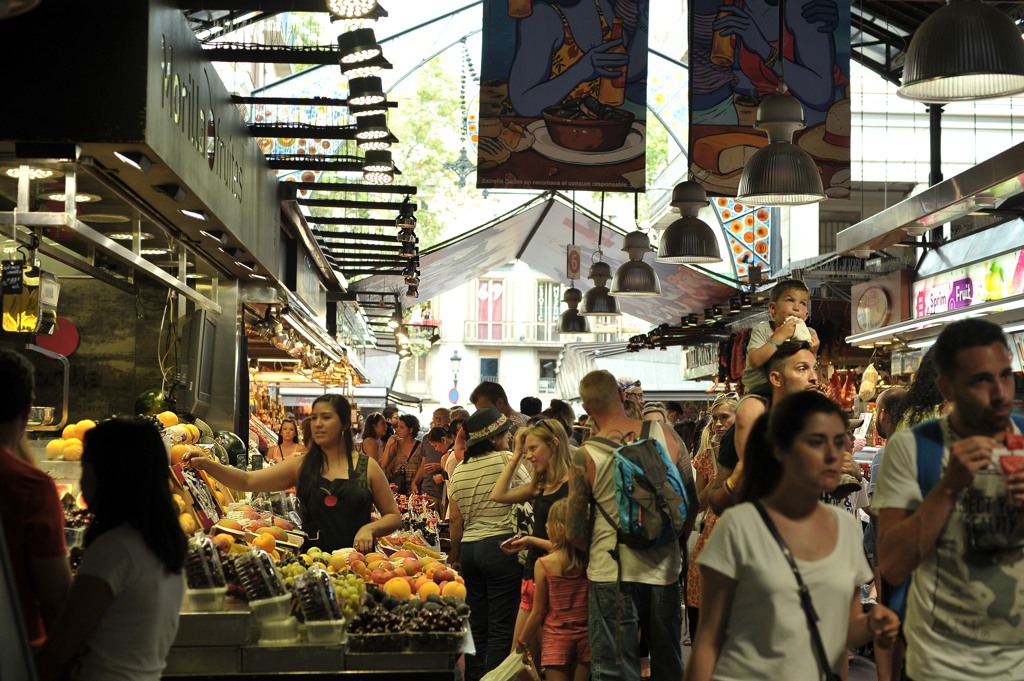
x: 537, y: 233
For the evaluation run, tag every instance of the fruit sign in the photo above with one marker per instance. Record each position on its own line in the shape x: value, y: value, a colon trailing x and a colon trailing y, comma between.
x: 993, y: 279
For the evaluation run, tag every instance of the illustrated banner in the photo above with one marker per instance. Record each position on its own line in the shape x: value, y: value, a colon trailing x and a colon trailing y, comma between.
x: 563, y: 95
x: 736, y: 60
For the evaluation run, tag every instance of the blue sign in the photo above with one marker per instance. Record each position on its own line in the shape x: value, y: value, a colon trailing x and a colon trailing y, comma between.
x: 453, y: 395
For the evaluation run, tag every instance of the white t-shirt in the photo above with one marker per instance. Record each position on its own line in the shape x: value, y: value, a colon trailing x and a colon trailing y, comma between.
x: 767, y: 635
x: 134, y: 635
x: 757, y: 377
x: 964, y: 619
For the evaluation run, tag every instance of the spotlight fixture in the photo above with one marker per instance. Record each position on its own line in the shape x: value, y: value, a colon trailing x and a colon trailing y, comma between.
x: 34, y: 173
x: 135, y: 159
x: 407, y: 250
x: 412, y: 292
x: 215, y: 235
x: 376, y: 144
x: 194, y: 214
x: 378, y: 177
x: 745, y: 301
x: 357, y: 111
x: 372, y: 127
x: 966, y: 50
x: 358, y: 46
x: 378, y: 162
x: 693, y: 320
x: 684, y: 322
x: 734, y: 305
x: 636, y: 277
x: 128, y: 236
x: 394, y: 322
x: 351, y: 9
x: 716, y: 312
x: 365, y: 68
x: 709, y: 315
x: 412, y: 280
x: 434, y: 339
x: 80, y: 197
x: 365, y: 91
x: 406, y: 236
x: 689, y: 239
x: 406, y: 218
x: 175, y: 191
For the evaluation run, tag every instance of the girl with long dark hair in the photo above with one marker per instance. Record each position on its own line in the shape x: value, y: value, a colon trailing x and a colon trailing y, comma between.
x: 337, y: 486
x: 122, y: 614
x: 753, y: 621
x: 374, y: 430
x: 288, y: 444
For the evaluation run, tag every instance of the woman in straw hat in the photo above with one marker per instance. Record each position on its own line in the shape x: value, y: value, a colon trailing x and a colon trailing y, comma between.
x: 479, y: 526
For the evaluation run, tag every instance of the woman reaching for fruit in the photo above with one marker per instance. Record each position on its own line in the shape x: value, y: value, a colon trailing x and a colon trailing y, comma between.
x: 546, y: 446
x: 337, y: 486
x: 287, y: 443
x: 122, y: 614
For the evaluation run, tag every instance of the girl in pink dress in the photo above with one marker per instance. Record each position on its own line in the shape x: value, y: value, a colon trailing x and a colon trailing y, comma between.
x: 560, y: 605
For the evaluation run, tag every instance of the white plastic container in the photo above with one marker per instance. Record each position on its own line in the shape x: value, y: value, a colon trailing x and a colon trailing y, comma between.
x: 279, y: 632
x: 327, y: 632
x: 272, y: 609
x: 207, y: 600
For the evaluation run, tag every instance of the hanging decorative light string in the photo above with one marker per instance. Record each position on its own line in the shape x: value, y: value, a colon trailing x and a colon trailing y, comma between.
x: 597, y: 301
x: 780, y: 173
x: 570, y: 321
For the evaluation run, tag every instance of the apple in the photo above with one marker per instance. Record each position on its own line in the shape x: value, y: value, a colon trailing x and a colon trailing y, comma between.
x: 444, y: 575
x: 379, y: 576
x: 354, y: 556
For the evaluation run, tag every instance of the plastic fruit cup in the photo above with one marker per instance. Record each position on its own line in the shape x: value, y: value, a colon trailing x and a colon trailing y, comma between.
x: 272, y: 609
x: 325, y: 632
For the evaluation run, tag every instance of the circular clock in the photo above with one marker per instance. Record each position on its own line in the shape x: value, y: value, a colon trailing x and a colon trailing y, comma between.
x: 873, y: 308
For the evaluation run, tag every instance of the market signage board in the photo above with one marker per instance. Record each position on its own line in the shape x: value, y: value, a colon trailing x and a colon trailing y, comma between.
x: 548, y: 118
x: 700, y: 361
x: 992, y: 279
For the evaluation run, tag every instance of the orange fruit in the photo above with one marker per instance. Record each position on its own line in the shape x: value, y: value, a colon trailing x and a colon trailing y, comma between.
x: 167, y: 418
x: 54, y: 448
x: 180, y: 503
x: 178, y: 451
x: 73, y: 451
x: 221, y: 499
x: 398, y: 587
x: 188, y: 523
x: 427, y: 588
x: 223, y: 542
x: 83, y: 427
x: 454, y: 589
x: 69, y: 431
x: 265, y: 542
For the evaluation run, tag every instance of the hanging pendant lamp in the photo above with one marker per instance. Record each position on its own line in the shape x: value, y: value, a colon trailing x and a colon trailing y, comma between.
x: 781, y: 173
x: 689, y: 239
x: 966, y: 50
x: 635, y: 277
x: 570, y: 321
x: 598, y: 301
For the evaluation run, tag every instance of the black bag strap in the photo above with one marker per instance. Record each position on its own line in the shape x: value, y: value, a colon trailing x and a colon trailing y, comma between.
x: 805, y: 597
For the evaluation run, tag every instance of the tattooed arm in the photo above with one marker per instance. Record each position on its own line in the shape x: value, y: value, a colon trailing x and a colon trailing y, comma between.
x: 581, y: 481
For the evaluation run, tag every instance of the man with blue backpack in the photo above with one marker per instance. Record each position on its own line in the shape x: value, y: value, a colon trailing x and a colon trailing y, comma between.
x: 631, y: 499
x: 950, y: 505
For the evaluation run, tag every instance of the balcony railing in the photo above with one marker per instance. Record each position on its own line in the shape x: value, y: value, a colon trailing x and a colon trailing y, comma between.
x: 547, y: 385
x: 511, y: 332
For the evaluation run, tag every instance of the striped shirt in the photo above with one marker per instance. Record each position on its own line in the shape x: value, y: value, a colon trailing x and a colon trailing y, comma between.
x: 471, y: 487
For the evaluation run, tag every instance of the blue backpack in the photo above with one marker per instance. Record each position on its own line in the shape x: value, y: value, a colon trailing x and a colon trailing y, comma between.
x: 929, y: 444
x: 651, y: 497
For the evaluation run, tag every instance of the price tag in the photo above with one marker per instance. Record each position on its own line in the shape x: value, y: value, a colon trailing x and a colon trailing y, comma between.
x: 12, y: 276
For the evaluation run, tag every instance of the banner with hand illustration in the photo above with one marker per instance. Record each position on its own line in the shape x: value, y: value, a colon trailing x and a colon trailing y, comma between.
x: 563, y: 95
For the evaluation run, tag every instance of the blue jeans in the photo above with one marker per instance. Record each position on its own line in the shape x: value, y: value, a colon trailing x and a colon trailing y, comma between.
x: 493, y: 583
x: 657, y: 608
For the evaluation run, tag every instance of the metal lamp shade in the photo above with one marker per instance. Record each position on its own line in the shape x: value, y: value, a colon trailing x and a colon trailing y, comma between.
x: 688, y: 239
x: 966, y: 50
x: 635, y: 278
x: 780, y: 174
x: 598, y: 302
x: 571, y: 322
x: 365, y: 91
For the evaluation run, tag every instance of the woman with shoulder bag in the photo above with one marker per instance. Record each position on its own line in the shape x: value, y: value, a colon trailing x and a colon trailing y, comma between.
x: 782, y: 572
x: 402, y: 455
